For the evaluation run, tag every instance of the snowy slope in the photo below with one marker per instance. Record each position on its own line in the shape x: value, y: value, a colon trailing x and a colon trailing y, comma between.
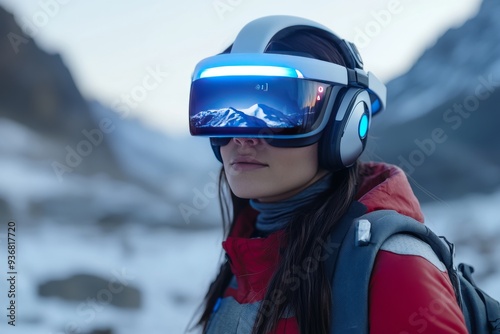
x: 173, y: 268
x: 175, y: 168
x: 164, y: 173
x: 473, y: 225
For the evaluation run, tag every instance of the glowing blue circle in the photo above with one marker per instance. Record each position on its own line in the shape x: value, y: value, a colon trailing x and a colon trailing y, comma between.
x: 363, y: 126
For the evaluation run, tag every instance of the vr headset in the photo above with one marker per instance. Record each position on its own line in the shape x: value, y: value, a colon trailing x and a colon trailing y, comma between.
x: 290, y: 100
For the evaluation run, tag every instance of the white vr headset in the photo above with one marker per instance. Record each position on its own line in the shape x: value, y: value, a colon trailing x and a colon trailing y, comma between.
x: 288, y: 99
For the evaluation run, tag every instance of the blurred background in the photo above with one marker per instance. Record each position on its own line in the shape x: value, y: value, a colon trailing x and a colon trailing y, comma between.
x: 118, y: 228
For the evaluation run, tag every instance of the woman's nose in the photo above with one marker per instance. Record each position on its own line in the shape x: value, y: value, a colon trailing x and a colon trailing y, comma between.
x: 246, y: 141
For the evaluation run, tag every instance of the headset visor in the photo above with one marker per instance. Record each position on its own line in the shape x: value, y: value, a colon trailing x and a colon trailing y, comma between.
x: 260, y: 106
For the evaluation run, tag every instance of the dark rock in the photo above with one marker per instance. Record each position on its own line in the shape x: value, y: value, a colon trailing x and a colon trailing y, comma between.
x: 68, y: 208
x: 5, y: 210
x: 179, y: 298
x: 102, y: 331
x: 81, y: 287
x: 113, y: 221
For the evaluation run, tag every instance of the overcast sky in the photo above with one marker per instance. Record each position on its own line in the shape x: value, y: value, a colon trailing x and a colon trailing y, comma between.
x: 139, y: 55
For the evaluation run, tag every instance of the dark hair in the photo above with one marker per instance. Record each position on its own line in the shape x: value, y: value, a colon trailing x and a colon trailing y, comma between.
x: 311, y: 299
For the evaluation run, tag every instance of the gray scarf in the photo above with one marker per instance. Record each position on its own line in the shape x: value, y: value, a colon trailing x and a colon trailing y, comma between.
x: 274, y: 216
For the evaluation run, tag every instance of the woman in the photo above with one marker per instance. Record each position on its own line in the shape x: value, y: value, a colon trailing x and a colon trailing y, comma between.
x: 287, y: 108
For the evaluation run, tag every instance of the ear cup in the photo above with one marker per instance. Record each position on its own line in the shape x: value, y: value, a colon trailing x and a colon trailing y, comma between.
x: 344, y: 138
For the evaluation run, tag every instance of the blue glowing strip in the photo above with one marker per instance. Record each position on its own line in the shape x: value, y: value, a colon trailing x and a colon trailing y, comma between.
x: 275, y: 71
x: 363, y: 126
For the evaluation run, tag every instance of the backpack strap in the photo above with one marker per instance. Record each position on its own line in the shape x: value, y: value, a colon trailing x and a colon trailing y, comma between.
x: 481, y: 312
x: 336, y: 238
x: 361, y: 243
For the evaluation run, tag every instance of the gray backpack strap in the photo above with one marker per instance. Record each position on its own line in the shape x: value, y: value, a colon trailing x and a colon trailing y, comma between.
x: 352, y: 270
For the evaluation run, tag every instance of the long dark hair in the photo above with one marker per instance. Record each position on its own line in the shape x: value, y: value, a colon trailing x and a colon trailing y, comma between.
x: 309, y: 299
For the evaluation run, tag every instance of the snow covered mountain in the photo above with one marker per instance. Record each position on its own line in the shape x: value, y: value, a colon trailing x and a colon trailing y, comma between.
x: 37, y: 91
x: 460, y: 62
x: 258, y: 115
x: 272, y: 117
x: 441, y: 125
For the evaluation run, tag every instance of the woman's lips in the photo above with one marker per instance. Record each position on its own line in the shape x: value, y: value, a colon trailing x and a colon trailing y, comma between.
x: 247, y: 164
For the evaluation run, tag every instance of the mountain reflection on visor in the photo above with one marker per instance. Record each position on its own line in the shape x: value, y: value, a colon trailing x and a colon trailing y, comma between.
x: 247, y: 105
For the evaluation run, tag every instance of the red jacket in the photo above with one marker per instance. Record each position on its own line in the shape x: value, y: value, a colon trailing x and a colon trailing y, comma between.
x: 409, y: 293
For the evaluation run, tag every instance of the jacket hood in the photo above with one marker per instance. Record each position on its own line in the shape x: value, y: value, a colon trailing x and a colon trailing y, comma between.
x: 385, y: 187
